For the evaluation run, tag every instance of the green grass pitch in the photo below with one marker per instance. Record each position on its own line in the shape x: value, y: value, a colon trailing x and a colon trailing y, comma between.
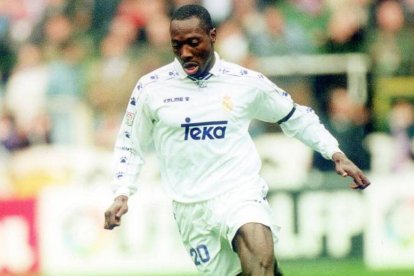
x: 327, y: 267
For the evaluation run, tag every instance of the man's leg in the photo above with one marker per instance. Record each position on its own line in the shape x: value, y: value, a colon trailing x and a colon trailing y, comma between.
x: 254, y: 245
x: 277, y: 271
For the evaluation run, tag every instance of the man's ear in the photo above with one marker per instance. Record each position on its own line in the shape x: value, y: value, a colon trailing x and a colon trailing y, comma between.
x: 213, y: 34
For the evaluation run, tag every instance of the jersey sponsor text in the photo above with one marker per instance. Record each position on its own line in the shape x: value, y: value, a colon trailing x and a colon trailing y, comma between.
x: 204, y: 130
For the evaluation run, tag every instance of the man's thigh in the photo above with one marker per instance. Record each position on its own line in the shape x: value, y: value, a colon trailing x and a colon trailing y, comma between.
x: 209, y: 250
x: 252, y: 215
x: 253, y: 233
x: 254, y: 237
x: 254, y: 244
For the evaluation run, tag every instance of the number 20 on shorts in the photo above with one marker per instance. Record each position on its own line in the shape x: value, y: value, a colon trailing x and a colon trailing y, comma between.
x: 200, y: 254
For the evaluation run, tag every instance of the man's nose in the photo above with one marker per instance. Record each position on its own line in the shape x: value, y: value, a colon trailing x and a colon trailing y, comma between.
x: 186, y: 52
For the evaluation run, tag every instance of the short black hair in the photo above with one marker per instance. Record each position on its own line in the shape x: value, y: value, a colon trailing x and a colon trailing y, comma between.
x: 188, y: 11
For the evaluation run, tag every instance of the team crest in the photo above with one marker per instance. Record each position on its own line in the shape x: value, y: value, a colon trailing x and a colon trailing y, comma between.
x: 227, y: 103
x: 130, y: 118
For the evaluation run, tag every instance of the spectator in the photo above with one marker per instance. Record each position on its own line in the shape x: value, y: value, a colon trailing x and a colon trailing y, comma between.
x: 243, y: 20
x: 7, y: 60
x: 110, y: 78
x: 231, y: 33
x: 220, y: 9
x: 409, y: 11
x: 246, y: 13
x: 57, y: 31
x: 19, y: 17
x: 155, y: 51
x: 278, y: 37
x: 401, y: 124
x: 25, y: 95
x: 103, y: 12
x: 346, y: 32
x: 140, y: 12
x: 310, y: 15
x: 391, y: 42
x: 11, y: 137
x: 65, y: 92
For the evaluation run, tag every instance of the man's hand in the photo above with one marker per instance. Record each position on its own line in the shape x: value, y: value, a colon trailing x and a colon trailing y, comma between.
x: 346, y: 167
x: 115, y: 212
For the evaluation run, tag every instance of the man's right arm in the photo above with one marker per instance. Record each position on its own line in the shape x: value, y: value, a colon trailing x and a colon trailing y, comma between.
x: 133, y: 138
x: 114, y: 213
x: 134, y: 135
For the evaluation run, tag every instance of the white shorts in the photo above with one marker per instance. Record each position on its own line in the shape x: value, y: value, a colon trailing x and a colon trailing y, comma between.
x: 207, y: 228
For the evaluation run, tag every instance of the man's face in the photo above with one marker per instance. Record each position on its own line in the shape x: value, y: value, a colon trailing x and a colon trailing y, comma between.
x: 193, y: 45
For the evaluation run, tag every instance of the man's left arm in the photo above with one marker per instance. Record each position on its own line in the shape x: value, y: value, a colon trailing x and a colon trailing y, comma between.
x: 346, y: 167
x: 305, y: 125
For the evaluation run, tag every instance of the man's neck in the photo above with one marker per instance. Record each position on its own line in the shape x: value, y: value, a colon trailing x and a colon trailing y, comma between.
x: 206, y: 73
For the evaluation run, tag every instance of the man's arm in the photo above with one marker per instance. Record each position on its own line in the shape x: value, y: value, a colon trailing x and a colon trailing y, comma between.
x: 114, y: 213
x: 346, y: 167
x: 134, y: 136
x: 273, y: 104
x: 304, y: 125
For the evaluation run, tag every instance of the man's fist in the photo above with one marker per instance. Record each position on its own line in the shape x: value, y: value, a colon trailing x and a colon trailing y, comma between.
x: 114, y: 213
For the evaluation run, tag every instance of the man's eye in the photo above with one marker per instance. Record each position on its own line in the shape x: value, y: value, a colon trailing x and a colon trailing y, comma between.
x: 175, y: 45
x: 193, y: 43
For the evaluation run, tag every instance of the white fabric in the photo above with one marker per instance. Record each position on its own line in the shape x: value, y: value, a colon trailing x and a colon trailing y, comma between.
x: 305, y: 126
x: 26, y: 95
x: 207, y: 228
x: 200, y: 130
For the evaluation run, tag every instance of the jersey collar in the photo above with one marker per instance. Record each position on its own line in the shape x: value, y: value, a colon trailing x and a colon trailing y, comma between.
x: 215, y: 70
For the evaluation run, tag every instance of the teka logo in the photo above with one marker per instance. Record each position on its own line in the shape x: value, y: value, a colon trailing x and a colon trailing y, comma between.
x: 204, y: 130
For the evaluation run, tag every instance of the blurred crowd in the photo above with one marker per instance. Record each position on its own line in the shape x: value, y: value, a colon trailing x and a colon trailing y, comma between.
x: 67, y: 67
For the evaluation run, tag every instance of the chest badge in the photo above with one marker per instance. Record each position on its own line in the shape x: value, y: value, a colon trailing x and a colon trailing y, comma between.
x: 227, y: 103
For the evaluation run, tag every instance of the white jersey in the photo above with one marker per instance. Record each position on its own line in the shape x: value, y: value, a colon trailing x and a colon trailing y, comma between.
x: 200, y: 129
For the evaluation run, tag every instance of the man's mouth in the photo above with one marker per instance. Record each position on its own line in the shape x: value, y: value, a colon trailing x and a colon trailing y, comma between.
x: 190, y: 68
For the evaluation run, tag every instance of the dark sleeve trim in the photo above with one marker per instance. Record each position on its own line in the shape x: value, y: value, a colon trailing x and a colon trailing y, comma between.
x: 287, y: 117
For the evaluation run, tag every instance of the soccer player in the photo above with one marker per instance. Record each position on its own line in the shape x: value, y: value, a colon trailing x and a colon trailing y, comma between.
x: 196, y: 110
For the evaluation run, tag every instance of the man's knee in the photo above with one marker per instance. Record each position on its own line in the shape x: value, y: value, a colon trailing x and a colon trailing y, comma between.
x: 266, y: 261
x: 254, y: 245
